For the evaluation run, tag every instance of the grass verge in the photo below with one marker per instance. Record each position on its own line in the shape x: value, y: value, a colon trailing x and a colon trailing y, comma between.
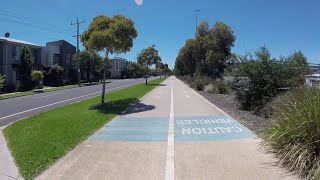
x: 38, y: 141
x: 37, y: 91
x: 295, y: 134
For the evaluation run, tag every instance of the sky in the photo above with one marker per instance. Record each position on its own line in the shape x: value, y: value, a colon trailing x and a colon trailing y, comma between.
x: 284, y: 26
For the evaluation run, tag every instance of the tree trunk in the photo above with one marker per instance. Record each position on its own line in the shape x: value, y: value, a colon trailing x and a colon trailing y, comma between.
x: 88, y: 77
x: 104, y: 84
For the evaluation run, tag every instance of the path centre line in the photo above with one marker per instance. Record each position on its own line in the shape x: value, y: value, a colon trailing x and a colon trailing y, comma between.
x: 22, y: 112
x: 170, y: 146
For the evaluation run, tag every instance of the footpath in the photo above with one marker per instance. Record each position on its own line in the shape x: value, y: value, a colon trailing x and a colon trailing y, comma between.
x: 172, y: 133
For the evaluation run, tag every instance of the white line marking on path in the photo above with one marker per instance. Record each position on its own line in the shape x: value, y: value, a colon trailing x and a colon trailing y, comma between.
x: 170, y: 146
x: 22, y: 112
x: 48, y: 95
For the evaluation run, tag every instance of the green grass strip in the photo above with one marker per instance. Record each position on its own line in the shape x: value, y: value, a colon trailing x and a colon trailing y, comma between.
x: 38, y: 141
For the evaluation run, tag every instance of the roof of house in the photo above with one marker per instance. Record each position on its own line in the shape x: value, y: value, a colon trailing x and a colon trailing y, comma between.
x: 18, y: 41
x: 59, y: 42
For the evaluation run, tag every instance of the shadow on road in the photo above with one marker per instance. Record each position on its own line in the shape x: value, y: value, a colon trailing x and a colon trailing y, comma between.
x: 151, y: 84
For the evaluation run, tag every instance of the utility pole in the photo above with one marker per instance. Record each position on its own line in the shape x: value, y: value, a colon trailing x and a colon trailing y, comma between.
x: 78, y: 51
x: 196, y: 14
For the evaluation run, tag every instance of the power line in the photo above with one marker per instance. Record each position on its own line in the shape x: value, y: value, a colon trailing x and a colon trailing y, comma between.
x: 29, y: 20
x: 39, y: 28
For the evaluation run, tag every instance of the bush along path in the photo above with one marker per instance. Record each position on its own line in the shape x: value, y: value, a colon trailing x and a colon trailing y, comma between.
x: 38, y: 141
x: 295, y: 134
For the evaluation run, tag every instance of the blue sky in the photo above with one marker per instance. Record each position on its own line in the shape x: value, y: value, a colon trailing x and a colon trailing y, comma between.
x: 282, y: 25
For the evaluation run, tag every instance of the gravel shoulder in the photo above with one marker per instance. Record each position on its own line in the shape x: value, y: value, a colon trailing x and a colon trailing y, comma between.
x: 229, y: 104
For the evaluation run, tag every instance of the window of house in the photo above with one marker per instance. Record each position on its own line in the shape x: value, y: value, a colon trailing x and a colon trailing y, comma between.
x: 56, y: 59
x: 15, y: 52
x: 68, y: 57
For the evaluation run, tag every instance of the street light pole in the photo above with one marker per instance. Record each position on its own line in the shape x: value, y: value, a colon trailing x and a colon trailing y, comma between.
x: 196, y: 15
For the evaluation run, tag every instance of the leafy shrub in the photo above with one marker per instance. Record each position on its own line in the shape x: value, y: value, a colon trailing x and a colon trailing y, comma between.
x: 267, y: 76
x: 55, y: 75
x: 295, y: 133
x: 199, y: 85
x: 201, y: 82
x: 37, y: 76
x: 2, y: 80
x: 219, y: 87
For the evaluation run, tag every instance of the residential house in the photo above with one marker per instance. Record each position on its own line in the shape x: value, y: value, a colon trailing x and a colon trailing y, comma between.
x: 57, y: 52
x: 60, y: 52
x: 118, y: 66
x: 10, y: 59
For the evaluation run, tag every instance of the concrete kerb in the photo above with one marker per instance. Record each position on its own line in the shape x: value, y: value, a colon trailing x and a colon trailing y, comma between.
x: 8, y: 168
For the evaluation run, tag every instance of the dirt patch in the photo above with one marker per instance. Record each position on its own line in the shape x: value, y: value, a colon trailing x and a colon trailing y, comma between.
x: 229, y: 104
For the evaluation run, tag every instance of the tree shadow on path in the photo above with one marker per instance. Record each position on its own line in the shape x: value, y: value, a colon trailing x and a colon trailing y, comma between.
x: 122, y: 107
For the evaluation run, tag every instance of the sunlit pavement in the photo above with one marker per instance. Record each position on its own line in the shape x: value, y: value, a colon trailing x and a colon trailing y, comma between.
x: 173, y: 133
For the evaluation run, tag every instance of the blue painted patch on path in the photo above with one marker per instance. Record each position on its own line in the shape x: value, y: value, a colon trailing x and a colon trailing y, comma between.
x: 198, y: 128
x: 134, y: 129
x: 209, y: 128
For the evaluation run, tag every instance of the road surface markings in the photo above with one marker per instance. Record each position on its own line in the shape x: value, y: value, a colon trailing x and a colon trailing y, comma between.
x: 48, y: 95
x: 210, y: 128
x: 52, y: 104
x: 170, y: 146
x: 142, y: 129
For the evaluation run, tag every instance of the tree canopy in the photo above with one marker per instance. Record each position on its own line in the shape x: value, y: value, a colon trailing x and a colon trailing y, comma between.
x: 89, y: 61
x: 109, y: 35
x: 207, y: 53
x: 26, y: 68
x: 149, y: 56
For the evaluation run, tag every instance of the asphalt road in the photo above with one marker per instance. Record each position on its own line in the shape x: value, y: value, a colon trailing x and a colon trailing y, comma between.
x: 17, y: 108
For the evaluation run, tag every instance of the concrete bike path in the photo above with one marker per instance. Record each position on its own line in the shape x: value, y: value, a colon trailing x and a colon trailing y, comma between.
x: 172, y: 133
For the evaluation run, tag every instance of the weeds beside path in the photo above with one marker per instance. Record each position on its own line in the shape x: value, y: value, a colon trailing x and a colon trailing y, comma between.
x: 38, y: 141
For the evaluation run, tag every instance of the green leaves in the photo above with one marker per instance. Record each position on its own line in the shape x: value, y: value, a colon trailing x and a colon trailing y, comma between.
x: 149, y: 56
x: 26, y: 68
x: 111, y: 34
x: 207, y: 53
x: 89, y: 60
x: 2, y: 80
x: 37, y: 76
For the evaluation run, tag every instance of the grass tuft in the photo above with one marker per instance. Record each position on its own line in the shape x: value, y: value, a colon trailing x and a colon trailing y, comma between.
x: 295, y: 133
x: 38, y: 141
